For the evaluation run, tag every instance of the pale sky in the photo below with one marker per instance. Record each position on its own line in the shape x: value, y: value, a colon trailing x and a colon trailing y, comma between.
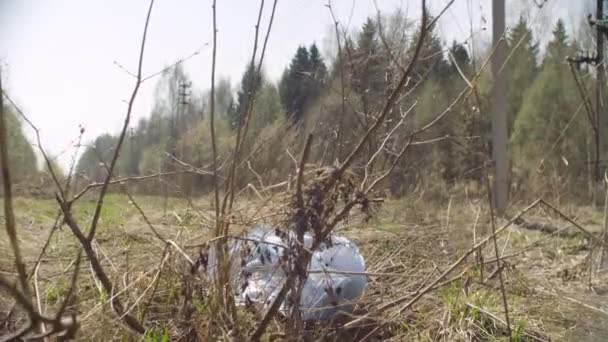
x: 58, y: 55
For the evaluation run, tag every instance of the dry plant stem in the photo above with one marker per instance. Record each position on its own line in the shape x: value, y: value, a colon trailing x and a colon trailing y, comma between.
x: 497, y: 319
x: 38, y: 302
x: 392, y: 167
x: 158, y: 275
x: 576, y: 225
x: 241, y: 121
x: 36, y: 264
x: 180, y: 61
x: 98, y: 270
x: 124, y: 180
x: 258, y: 71
x: 73, y: 285
x: 465, y: 92
x: 383, y: 38
x: 57, y: 325
x: 499, y: 262
x: 166, y: 242
x: 383, y: 144
x: 55, y: 224
x: 86, y: 242
x: 300, y: 178
x: 304, y: 259
x: 222, y: 277
x: 390, y: 102
x: 216, y: 190
x: 40, y: 147
x: 291, y: 278
x: 242, y: 134
x: 274, y: 307
x: 9, y: 215
x: 452, y: 267
x: 123, y: 133
x: 586, y: 101
x: 338, y: 149
x: 604, y: 252
x: 257, y: 175
x: 590, y: 307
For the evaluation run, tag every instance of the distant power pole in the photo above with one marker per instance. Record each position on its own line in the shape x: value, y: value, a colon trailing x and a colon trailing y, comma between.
x: 184, y: 100
x: 597, y: 119
x: 500, y: 193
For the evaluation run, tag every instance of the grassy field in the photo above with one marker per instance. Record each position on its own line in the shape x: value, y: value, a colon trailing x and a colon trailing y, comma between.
x: 407, y: 244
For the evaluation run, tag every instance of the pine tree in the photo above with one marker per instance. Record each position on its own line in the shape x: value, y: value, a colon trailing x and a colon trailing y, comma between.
x: 431, y: 59
x: 317, y: 64
x: 521, y: 67
x: 302, y: 81
x: 250, y: 83
x: 542, y: 129
x: 461, y: 56
x: 558, y: 47
x: 368, y: 64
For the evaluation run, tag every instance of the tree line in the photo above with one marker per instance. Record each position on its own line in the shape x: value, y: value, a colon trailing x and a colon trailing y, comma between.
x: 336, y: 98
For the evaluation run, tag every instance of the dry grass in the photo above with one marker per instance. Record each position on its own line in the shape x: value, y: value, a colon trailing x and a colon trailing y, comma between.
x: 407, y: 244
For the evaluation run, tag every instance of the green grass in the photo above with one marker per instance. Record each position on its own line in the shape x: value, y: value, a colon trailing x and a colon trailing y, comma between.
x: 410, y: 224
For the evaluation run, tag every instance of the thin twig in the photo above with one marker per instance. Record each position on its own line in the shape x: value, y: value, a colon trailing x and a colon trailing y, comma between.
x: 216, y: 190
x: 123, y: 133
x: 300, y: 177
x: 337, y: 150
x: 124, y: 180
x: 452, y: 267
x: 9, y: 214
x: 392, y: 98
x: 499, y: 261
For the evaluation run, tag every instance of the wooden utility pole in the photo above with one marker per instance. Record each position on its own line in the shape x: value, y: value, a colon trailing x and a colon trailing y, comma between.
x: 599, y: 88
x: 500, y: 191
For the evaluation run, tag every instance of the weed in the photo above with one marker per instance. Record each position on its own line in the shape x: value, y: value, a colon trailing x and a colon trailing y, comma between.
x: 56, y: 291
x: 156, y: 335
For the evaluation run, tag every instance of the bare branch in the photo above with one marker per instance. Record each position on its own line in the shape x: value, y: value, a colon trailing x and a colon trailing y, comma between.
x: 40, y: 147
x: 452, y: 267
x: 121, y: 138
x: 216, y: 189
x: 388, y: 136
x: 499, y: 262
x: 9, y: 214
x: 242, y: 131
x: 337, y: 149
x: 393, y: 96
x: 180, y: 61
x: 124, y: 180
x: 299, y: 180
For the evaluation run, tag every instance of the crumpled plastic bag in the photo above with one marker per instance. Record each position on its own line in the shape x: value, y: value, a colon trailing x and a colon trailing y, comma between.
x: 336, y: 278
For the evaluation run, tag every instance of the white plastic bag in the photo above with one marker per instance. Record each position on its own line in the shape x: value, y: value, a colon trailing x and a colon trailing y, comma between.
x: 335, y: 280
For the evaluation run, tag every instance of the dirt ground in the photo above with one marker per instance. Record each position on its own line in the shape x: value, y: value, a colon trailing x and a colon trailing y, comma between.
x: 551, y: 293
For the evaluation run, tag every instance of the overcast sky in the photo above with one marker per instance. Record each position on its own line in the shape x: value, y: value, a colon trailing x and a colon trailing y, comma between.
x: 58, y: 55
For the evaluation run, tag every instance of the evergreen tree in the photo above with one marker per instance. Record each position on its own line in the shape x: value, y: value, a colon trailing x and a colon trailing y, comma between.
x: 431, y: 59
x: 558, y: 47
x: 368, y: 65
x: 317, y: 64
x: 547, y: 109
x: 250, y: 83
x: 461, y: 56
x: 302, y: 81
x: 223, y: 97
x: 521, y: 67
